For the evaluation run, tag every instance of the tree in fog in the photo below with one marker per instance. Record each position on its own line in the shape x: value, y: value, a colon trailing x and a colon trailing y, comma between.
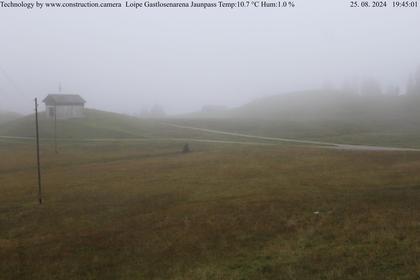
x: 144, y: 112
x: 370, y: 88
x: 410, y: 86
x: 157, y: 111
x: 392, y: 91
x: 413, y: 85
x: 350, y: 87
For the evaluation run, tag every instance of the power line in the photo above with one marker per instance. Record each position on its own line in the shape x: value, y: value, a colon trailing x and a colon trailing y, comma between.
x: 12, y: 82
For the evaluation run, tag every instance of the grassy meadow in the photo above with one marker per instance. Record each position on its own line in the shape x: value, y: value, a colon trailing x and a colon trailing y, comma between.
x: 144, y: 210
x: 392, y: 133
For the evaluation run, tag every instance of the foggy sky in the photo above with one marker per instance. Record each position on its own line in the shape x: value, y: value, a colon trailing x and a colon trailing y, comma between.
x: 125, y: 60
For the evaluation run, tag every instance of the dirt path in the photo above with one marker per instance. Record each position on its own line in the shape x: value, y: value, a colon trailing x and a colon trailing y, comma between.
x: 308, y: 142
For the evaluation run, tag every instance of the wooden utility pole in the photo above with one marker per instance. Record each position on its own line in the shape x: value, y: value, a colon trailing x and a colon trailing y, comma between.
x: 37, y: 153
x: 55, y: 129
x: 55, y: 120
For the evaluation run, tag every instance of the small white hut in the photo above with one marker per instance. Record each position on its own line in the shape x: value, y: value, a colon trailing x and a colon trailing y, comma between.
x: 64, y: 106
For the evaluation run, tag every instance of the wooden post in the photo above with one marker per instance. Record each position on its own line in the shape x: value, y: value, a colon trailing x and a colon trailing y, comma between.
x: 37, y: 153
x: 55, y: 129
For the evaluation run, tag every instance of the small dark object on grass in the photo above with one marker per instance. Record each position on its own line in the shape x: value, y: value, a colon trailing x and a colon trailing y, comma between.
x: 186, y: 149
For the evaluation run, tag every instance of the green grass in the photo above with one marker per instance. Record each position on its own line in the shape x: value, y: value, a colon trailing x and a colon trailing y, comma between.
x: 100, y: 124
x: 147, y: 211
x: 96, y: 124
x: 396, y: 133
x: 323, y: 115
x: 104, y: 125
x: 8, y: 116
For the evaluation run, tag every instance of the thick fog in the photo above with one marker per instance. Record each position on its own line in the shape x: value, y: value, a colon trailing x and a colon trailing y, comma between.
x: 124, y: 60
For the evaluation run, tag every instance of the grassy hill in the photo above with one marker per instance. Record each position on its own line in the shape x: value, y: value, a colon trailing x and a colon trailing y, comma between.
x: 330, y: 116
x: 145, y: 210
x: 321, y: 105
x: 100, y: 124
x: 96, y: 124
x: 312, y: 115
x: 8, y: 116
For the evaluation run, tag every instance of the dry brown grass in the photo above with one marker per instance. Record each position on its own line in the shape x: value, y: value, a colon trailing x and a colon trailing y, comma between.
x: 142, y: 211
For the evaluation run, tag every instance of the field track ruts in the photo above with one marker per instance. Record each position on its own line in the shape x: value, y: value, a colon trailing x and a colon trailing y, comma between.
x: 318, y: 144
x: 297, y: 141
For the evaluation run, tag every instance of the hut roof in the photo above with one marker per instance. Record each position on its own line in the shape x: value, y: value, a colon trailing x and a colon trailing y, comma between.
x: 64, y: 99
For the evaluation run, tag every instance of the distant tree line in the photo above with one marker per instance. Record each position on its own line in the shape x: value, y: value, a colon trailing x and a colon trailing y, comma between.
x: 156, y: 111
x: 370, y: 87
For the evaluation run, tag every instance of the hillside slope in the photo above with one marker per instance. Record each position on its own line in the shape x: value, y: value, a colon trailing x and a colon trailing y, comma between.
x: 325, y: 105
x: 100, y: 124
x: 8, y: 116
x: 330, y: 116
x: 320, y: 105
x: 96, y: 124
